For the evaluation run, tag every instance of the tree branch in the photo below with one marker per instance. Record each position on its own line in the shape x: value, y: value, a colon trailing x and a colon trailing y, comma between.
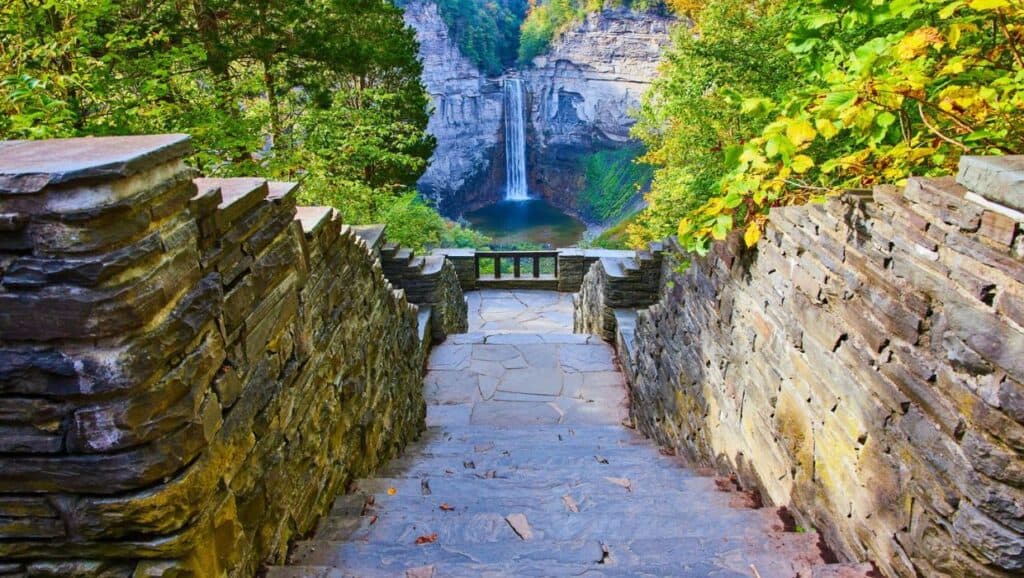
x: 935, y: 131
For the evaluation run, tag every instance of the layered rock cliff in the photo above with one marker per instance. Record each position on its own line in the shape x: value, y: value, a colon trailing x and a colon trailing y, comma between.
x: 467, y: 168
x: 582, y: 93
x: 579, y: 99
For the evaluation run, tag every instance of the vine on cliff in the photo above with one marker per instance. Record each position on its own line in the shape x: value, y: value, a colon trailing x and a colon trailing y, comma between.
x: 880, y: 91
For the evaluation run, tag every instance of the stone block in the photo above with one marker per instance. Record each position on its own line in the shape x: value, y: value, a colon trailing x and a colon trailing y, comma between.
x: 998, y: 179
x: 30, y: 166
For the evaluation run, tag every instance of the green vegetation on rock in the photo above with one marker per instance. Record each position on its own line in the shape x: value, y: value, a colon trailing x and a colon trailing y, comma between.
x: 547, y: 19
x: 613, y: 179
x: 487, y: 31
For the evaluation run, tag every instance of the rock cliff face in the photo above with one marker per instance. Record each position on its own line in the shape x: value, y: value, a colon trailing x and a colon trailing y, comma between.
x: 467, y: 169
x: 582, y: 92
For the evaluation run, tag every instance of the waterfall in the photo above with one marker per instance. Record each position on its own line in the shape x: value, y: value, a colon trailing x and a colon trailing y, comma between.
x: 515, y: 141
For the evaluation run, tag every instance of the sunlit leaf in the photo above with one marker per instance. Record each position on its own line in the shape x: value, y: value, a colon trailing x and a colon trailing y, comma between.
x: 752, y: 234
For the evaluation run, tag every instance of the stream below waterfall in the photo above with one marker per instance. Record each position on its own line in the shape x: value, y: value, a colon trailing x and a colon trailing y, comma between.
x: 533, y: 222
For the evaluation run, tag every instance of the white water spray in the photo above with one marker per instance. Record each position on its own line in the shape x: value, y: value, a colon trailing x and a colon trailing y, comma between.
x: 515, y: 141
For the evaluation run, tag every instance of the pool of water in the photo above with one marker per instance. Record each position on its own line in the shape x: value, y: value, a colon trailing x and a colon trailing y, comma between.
x: 534, y: 221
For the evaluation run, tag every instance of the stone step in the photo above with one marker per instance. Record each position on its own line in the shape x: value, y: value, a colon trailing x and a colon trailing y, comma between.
x: 624, y: 522
x: 478, y: 337
x: 388, y: 251
x: 719, y: 557
x: 584, y: 462
x: 433, y: 264
x: 609, y: 487
x: 560, y: 434
x: 349, y: 510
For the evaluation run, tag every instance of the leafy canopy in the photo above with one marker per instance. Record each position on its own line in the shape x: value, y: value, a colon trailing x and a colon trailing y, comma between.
x: 323, y: 91
x: 880, y: 91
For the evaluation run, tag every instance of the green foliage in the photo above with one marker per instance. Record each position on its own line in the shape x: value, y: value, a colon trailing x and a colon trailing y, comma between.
x: 413, y: 223
x: 881, y: 90
x: 690, y: 115
x: 323, y: 91
x: 613, y: 179
x: 616, y: 236
x: 546, y: 19
x: 487, y: 31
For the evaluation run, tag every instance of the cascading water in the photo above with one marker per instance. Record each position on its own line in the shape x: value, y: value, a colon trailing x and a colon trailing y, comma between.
x: 515, y: 141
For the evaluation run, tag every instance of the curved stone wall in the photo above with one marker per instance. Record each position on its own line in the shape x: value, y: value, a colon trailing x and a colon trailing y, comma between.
x: 863, y: 367
x: 189, y: 374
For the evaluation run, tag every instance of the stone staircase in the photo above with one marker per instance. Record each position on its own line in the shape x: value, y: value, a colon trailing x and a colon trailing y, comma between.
x: 529, y: 468
x: 427, y: 281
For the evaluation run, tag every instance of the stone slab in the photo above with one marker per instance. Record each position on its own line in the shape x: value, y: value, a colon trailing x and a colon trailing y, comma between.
x: 31, y: 166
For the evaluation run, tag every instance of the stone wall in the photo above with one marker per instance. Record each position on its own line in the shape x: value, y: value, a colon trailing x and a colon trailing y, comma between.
x: 614, y: 284
x: 864, y: 367
x: 188, y: 374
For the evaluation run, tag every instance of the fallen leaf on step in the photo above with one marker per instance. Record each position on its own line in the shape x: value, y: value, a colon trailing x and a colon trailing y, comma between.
x: 425, y: 486
x: 373, y: 520
x: 470, y: 465
x: 427, y: 539
x: 624, y: 482
x: 489, y: 474
x: 570, y: 503
x: 483, y: 447
x: 601, y: 459
x: 421, y: 572
x: 667, y: 451
x: 520, y: 525
x: 447, y: 508
x: 392, y: 491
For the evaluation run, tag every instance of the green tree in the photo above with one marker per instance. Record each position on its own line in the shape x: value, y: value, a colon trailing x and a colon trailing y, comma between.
x: 883, y: 90
x: 690, y: 115
x: 323, y: 91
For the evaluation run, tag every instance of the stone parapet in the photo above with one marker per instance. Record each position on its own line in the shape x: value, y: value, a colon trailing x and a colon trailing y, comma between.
x: 864, y: 367
x: 616, y: 284
x: 428, y: 281
x: 190, y: 369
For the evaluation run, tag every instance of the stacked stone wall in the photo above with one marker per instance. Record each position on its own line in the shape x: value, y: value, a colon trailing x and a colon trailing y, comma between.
x: 188, y: 374
x: 864, y: 367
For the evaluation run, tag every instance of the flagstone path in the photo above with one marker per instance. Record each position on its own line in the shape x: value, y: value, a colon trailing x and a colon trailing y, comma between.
x: 527, y: 469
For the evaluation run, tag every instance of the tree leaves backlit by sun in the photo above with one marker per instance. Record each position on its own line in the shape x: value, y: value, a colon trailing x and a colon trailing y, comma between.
x: 882, y: 91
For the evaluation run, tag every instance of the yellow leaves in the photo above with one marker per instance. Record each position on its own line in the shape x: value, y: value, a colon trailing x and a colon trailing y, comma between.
x: 685, y: 226
x: 982, y: 5
x: 826, y: 128
x: 392, y: 491
x: 917, y: 42
x: 801, y: 164
x: 955, y: 98
x: 752, y: 234
x: 799, y: 131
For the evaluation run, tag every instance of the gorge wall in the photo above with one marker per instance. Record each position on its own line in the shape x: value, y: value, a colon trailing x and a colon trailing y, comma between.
x: 582, y: 92
x: 863, y: 366
x: 579, y: 98
x: 190, y: 369
x: 468, y: 166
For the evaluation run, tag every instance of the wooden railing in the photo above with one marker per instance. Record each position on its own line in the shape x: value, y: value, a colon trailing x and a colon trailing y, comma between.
x: 517, y: 257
